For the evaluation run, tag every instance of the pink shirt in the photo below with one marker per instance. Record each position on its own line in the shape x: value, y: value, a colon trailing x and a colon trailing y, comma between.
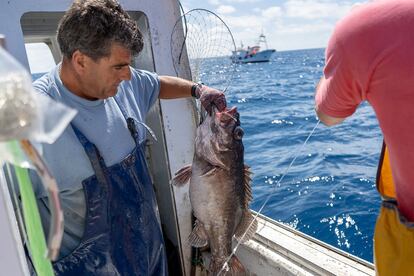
x: 370, y: 57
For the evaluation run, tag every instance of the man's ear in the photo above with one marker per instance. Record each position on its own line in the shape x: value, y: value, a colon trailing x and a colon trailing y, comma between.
x: 79, y: 61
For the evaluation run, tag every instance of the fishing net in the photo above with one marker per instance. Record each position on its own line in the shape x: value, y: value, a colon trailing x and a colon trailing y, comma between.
x: 201, y: 46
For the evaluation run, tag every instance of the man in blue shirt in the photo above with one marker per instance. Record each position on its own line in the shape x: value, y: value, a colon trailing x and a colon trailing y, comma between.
x: 111, y: 220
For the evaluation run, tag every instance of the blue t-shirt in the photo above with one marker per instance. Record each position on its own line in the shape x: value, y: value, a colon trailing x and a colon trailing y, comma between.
x: 103, y: 124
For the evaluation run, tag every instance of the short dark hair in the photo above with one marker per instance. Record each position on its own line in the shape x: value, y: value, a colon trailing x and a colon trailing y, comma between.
x: 91, y: 26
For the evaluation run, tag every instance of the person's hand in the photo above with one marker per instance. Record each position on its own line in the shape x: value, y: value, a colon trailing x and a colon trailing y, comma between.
x: 209, y: 96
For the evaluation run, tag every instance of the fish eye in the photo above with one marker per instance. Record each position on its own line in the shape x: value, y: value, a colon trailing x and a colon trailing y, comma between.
x: 238, y: 133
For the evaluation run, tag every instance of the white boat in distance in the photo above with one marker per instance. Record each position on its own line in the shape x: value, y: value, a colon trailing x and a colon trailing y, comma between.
x: 253, y: 54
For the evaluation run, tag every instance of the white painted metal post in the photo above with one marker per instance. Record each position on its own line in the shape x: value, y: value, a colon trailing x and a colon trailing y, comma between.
x: 12, y: 257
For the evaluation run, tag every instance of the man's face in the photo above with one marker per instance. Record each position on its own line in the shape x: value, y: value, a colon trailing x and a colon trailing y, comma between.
x: 102, y: 77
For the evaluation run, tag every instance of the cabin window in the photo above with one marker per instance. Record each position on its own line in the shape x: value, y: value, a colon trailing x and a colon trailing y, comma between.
x: 40, y: 59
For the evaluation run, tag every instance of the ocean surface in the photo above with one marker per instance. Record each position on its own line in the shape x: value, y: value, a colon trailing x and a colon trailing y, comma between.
x: 329, y: 192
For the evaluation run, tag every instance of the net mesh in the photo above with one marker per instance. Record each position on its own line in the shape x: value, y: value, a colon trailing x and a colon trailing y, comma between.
x: 201, y: 46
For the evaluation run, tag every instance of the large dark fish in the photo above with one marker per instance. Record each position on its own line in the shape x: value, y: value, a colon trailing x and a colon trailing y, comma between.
x: 220, y: 190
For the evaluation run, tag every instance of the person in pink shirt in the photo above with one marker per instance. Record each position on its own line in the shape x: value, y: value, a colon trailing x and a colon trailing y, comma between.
x: 370, y: 57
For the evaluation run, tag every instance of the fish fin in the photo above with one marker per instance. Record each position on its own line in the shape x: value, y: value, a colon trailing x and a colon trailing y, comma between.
x: 198, y: 237
x: 182, y: 176
x: 247, y: 186
x: 209, y: 172
x: 247, y: 225
x: 234, y: 267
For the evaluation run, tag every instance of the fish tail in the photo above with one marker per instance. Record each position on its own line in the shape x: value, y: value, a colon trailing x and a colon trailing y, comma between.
x: 233, y: 268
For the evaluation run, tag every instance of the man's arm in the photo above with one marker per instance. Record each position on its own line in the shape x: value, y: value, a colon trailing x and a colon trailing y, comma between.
x: 173, y: 88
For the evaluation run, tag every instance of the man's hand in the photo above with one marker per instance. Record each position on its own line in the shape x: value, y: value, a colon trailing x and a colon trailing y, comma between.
x: 209, y: 96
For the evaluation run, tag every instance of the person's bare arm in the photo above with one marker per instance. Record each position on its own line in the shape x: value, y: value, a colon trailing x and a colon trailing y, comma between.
x: 173, y: 88
x: 326, y: 119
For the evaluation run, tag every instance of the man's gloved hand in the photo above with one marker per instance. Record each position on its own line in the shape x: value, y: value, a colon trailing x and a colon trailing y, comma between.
x: 209, y: 96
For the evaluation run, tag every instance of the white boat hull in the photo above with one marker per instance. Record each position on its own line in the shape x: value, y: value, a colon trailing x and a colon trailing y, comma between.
x: 244, y: 57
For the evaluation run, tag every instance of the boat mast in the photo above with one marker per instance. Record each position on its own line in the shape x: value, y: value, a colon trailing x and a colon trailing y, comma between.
x: 262, y: 39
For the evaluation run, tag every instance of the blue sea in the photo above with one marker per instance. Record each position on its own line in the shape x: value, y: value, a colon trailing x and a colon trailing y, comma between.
x: 329, y: 192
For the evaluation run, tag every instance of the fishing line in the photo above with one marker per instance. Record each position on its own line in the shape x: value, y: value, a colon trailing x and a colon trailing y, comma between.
x: 295, y: 154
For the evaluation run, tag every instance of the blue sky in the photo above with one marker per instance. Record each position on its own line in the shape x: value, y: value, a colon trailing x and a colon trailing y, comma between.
x: 287, y: 24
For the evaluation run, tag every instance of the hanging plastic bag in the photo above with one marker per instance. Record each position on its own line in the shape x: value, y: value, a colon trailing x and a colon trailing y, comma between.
x: 25, y: 114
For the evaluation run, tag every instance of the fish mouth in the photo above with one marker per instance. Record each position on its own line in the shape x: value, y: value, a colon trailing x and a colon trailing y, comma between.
x: 227, y: 114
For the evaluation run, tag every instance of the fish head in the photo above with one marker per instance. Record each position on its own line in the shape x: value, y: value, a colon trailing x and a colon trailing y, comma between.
x: 218, y: 136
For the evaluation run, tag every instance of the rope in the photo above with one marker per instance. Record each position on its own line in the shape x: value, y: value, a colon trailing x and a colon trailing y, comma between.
x: 225, y: 266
